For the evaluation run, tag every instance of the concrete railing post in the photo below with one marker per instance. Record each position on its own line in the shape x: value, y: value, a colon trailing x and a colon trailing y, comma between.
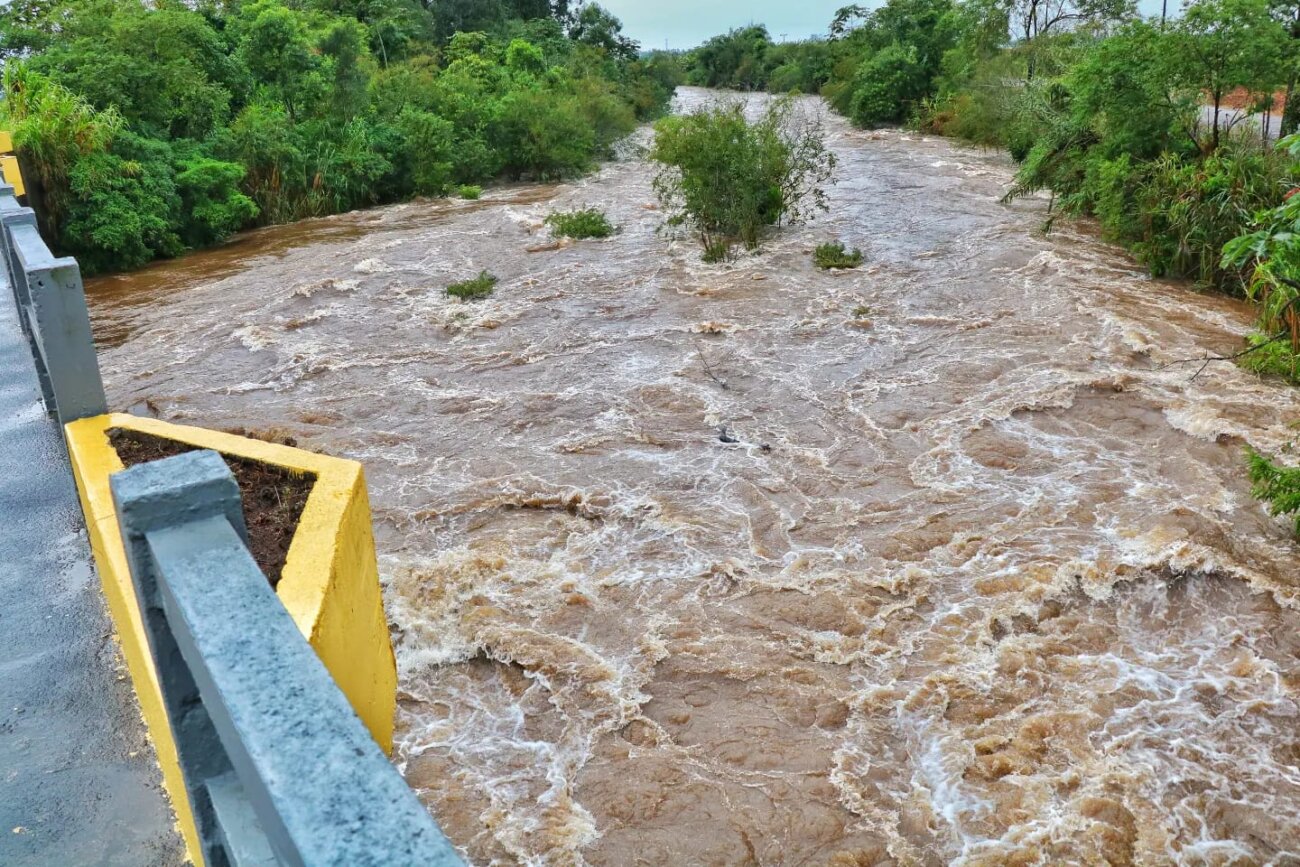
x: 52, y: 308
x: 60, y: 323
x: 279, y: 768
x: 12, y: 213
x: 202, y: 493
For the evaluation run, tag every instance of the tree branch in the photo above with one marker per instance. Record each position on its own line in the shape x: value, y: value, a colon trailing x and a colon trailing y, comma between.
x: 1207, y: 360
x: 708, y: 368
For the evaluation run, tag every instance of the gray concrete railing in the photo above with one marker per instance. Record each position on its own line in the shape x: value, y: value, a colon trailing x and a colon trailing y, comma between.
x: 279, y: 768
x: 52, y: 309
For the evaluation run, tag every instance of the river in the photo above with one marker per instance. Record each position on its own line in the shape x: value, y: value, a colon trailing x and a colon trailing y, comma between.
x: 979, y: 580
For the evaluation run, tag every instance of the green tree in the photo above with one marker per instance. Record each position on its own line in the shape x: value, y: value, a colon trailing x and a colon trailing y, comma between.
x: 1226, y: 44
x: 595, y: 26
x: 166, y: 71
x: 275, y: 48
x: 543, y: 136
x: 202, y: 118
x: 727, y: 178
x: 1287, y: 13
x: 1033, y: 20
x: 263, y: 140
x: 892, y: 61
x: 737, y: 60
x: 211, y: 199
x: 524, y: 57
x: 1121, y: 90
x: 428, y: 153
x: 344, y: 46
x: 123, y: 207
x: 887, y: 85
x: 1271, y: 252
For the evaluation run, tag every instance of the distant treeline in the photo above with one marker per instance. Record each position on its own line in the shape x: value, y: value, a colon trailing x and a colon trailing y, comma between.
x: 147, y: 127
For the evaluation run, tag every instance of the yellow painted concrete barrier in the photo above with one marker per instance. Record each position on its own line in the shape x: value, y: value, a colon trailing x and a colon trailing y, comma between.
x: 330, y: 583
x: 9, y: 164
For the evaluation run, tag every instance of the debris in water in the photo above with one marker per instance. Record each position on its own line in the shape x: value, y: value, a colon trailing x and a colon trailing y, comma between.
x: 550, y: 247
x: 712, y: 328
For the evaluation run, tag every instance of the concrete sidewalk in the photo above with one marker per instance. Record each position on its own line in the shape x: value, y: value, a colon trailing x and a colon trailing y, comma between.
x: 78, y: 781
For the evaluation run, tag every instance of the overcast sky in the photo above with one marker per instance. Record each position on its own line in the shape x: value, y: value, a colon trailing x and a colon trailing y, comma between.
x: 687, y: 23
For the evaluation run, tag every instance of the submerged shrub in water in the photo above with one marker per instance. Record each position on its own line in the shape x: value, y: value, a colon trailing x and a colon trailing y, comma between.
x: 586, y: 223
x: 469, y: 191
x: 473, y: 290
x: 717, y: 251
x: 835, y: 255
x: 727, y: 178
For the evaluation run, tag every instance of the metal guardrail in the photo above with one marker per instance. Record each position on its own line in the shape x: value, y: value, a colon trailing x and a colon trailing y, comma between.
x: 279, y: 768
x: 52, y: 309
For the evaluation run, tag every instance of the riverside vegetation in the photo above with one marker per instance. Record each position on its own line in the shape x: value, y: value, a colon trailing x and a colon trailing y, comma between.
x: 149, y: 128
x: 1122, y: 119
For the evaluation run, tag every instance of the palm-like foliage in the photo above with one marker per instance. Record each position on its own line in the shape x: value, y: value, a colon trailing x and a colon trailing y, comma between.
x: 1278, y: 486
x: 1273, y: 254
x: 52, y: 129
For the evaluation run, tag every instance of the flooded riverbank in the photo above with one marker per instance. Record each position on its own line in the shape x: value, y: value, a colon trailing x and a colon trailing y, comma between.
x: 979, y: 580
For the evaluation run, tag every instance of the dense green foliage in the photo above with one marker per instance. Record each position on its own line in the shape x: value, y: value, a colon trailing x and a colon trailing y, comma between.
x: 579, y: 225
x: 728, y: 178
x: 476, y: 289
x: 149, y: 127
x: 836, y: 256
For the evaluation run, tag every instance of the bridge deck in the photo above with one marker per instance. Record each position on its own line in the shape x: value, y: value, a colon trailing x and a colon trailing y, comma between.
x: 78, y: 782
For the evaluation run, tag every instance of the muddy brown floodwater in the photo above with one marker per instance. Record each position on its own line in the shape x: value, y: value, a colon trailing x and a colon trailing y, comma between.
x: 979, y: 581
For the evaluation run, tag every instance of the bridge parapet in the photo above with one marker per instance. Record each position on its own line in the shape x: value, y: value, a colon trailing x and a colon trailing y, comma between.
x: 269, y: 709
x: 278, y: 767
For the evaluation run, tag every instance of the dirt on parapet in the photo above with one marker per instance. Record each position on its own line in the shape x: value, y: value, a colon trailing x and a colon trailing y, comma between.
x: 273, y: 497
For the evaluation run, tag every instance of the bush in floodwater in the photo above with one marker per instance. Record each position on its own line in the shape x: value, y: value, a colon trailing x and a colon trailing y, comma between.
x: 828, y: 256
x: 586, y: 223
x: 717, y: 251
x: 727, y: 178
x: 469, y: 191
x: 473, y: 290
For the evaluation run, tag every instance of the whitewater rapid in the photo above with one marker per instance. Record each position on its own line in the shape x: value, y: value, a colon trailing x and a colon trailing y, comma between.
x: 980, y: 581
